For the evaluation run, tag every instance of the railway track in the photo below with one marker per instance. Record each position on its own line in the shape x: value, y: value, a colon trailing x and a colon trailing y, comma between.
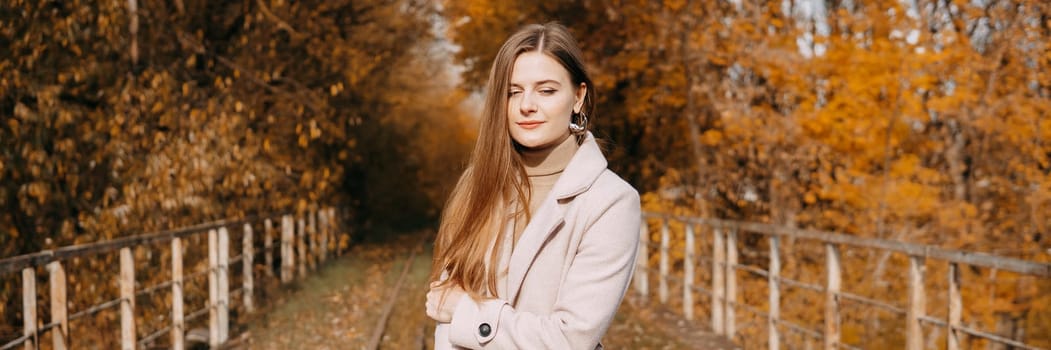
x: 376, y: 341
x: 371, y: 298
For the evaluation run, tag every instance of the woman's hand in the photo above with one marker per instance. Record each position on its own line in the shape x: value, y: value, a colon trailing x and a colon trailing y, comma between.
x: 442, y: 301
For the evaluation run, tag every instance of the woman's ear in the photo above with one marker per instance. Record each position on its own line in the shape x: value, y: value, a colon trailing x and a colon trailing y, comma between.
x: 582, y: 91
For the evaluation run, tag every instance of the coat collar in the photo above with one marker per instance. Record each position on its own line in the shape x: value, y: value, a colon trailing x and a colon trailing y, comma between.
x: 583, y: 169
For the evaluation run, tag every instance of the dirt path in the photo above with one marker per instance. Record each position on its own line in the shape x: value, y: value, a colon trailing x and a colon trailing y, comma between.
x: 338, y: 308
x: 641, y: 325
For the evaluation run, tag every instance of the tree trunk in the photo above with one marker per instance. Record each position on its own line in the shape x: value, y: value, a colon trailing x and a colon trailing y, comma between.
x: 692, y: 111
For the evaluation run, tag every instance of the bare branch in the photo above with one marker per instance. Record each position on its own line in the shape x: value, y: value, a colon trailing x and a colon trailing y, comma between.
x: 280, y: 23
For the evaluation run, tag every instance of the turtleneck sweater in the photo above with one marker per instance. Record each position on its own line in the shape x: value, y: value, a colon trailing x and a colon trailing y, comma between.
x: 544, y: 167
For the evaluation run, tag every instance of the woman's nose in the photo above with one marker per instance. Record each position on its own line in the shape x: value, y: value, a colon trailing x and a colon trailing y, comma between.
x: 527, y: 105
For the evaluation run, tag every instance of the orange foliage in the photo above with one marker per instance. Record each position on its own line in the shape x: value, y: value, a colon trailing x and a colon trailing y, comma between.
x: 229, y: 109
x: 924, y: 124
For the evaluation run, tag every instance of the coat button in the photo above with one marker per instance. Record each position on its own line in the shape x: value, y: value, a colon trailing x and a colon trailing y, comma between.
x: 484, y: 330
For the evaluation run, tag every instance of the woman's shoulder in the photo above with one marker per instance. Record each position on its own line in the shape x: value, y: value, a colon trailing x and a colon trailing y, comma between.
x: 609, y: 181
x: 612, y: 205
x: 609, y: 188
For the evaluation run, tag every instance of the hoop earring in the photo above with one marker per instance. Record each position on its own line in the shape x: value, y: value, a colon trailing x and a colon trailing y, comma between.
x: 580, y: 126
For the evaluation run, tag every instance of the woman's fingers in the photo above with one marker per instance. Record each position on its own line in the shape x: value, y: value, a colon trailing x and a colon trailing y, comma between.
x: 430, y: 305
x: 438, y: 304
x: 432, y: 301
x: 442, y: 301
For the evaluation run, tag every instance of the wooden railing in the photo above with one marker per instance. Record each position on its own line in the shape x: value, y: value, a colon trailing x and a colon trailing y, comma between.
x: 724, y: 293
x: 304, y: 247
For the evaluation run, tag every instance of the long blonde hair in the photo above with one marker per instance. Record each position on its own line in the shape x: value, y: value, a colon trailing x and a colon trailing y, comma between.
x: 479, y: 207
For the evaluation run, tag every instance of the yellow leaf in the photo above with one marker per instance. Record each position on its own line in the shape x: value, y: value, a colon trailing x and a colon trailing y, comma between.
x: 712, y: 137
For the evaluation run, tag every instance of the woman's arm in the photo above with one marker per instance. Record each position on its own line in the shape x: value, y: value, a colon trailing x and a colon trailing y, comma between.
x: 588, y: 298
x: 441, y: 337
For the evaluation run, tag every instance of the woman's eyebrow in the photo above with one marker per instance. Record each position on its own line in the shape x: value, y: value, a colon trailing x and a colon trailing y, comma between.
x: 542, y: 82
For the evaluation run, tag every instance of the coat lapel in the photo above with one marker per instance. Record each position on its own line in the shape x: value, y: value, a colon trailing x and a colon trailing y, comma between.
x: 582, y: 171
x: 546, y: 221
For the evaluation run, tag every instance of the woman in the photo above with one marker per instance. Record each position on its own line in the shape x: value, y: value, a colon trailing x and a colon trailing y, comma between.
x: 538, y: 240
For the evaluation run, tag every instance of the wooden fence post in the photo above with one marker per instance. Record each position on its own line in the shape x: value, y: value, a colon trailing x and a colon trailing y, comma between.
x: 59, y: 312
x: 311, y: 243
x: 224, y: 284
x: 315, y: 234
x: 287, y: 255
x: 268, y: 247
x: 302, y: 247
x: 662, y: 287
x: 316, y: 231
x: 833, y: 282
x: 324, y: 232
x: 917, y: 304
x: 213, y: 289
x: 955, y: 307
x: 687, y: 286
x: 773, y: 275
x: 731, y: 284
x: 718, y: 285
x: 331, y: 233
x: 178, y: 328
x: 333, y: 241
x: 330, y: 222
x: 127, y: 299
x: 247, y: 259
x: 338, y: 231
x: 642, y: 279
x: 29, y: 308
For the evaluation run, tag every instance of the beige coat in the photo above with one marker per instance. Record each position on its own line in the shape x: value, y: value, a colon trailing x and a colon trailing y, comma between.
x: 567, y: 273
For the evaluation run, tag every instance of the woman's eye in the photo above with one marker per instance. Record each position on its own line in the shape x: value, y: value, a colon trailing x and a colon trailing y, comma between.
x: 513, y: 93
x: 547, y: 91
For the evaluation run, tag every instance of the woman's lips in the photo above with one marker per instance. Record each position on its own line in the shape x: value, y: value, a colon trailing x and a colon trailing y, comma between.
x: 529, y: 125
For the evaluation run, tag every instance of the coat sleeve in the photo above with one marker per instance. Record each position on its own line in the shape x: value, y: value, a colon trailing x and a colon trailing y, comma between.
x: 441, y: 329
x: 441, y: 337
x: 591, y: 291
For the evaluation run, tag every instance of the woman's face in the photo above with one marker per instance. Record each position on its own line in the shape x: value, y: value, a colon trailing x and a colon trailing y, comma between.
x: 540, y: 101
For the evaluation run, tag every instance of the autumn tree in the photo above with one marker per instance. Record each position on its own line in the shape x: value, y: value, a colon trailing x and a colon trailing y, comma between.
x: 918, y: 121
x: 128, y: 117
